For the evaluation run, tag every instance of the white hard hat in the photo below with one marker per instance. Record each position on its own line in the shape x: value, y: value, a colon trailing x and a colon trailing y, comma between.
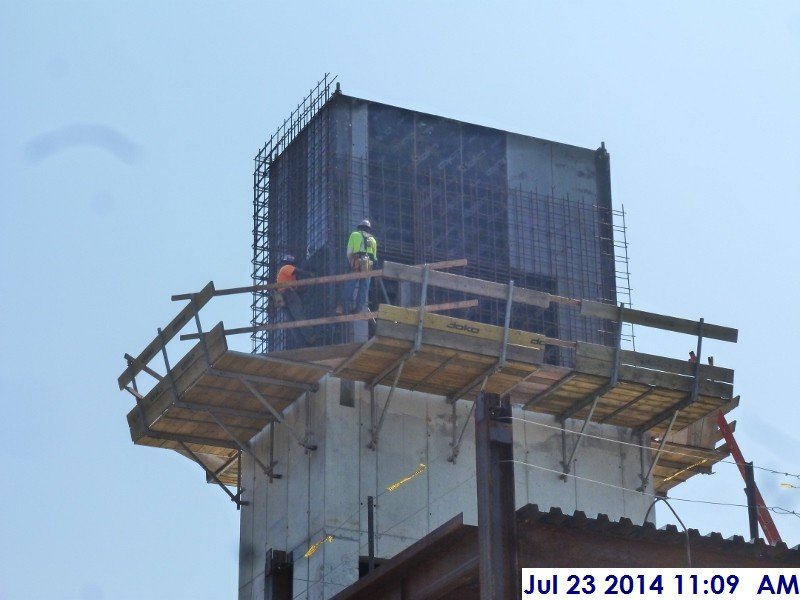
x: 365, y: 224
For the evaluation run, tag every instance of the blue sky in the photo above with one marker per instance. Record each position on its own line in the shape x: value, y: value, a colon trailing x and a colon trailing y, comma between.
x: 127, y: 131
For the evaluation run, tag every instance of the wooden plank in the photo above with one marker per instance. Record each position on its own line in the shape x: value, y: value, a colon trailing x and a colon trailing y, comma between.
x: 675, y: 382
x: 674, y: 365
x: 169, y: 331
x: 653, y: 362
x: 679, y: 467
x: 329, y: 320
x: 659, y: 379
x: 281, y: 360
x: 589, y: 308
x: 468, y: 285
x: 140, y: 436
x: 318, y: 353
x: 325, y: 279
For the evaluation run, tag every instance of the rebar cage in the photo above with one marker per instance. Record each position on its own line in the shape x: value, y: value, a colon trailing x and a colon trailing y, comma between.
x: 517, y: 208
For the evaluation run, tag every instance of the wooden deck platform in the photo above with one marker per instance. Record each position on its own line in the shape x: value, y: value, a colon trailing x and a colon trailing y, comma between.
x: 217, y: 399
x: 214, y: 400
x: 456, y: 353
x: 453, y: 358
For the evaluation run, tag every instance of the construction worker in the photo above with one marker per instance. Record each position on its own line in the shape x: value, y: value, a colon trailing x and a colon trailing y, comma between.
x: 288, y: 299
x: 362, y: 252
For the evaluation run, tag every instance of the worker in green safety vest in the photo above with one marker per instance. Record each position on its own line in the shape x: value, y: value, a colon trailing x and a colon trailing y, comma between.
x: 362, y: 252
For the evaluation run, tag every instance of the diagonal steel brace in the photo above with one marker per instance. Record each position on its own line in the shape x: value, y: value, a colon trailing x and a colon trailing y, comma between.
x: 658, y: 452
x: 275, y: 413
x: 234, y: 497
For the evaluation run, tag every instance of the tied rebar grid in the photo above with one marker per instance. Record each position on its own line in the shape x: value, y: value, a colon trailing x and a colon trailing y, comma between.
x: 622, y: 270
x: 263, y: 248
x: 561, y: 245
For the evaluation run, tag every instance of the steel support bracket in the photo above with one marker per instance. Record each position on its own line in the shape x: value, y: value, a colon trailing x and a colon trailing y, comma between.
x: 236, y: 498
x: 195, y: 310
x: 376, y: 427
x: 243, y: 446
x: 303, y: 441
x: 661, y: 445
x: 567, y: 463
x: 482, y: 379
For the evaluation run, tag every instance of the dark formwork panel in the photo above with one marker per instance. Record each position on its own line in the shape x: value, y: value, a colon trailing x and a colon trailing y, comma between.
x: 515, y: 207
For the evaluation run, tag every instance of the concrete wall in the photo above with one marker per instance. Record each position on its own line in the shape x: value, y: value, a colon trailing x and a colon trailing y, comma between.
x: 325, y: 491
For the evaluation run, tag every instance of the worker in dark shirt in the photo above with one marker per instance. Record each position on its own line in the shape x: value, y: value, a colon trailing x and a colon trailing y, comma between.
x: 288, y: 300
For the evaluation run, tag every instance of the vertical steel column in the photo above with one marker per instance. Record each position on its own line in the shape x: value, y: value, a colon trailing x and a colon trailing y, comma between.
x: 278, y: 575
x: 272, y: 461
x: 371, y: 533
x: 696, y: 381
x: 497, y: 522
x: 239, y: 480
x: 750, y: 490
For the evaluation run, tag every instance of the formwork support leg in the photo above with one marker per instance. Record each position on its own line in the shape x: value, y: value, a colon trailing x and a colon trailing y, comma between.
x: 398, y: 366
x: 456, y: 443
x: 567, y: 464
x: 244, y: 446
x: 173, y: 387
x: 278, y: 416
x: 272, y: 461
x: 234, y: 497
x: 376, y: 427
x: 498, y: 366
x: 696, y: 382
x: 658, y: 452
x: 642, y: 450
x: 610, y: 385
x: 691, y: 398
x: 195, y: 310
x: 138, y: 397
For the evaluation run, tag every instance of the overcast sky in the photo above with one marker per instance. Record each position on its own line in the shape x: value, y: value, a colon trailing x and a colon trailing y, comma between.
x: 127, y: 132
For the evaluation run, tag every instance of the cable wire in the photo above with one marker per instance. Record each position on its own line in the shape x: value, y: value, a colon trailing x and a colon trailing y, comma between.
x: 384, y: 532
x: 773, y: 509
x: 634, y: 445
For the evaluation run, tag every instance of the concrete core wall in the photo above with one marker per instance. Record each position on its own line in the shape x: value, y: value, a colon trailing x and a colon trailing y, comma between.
x: 325, y: 492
